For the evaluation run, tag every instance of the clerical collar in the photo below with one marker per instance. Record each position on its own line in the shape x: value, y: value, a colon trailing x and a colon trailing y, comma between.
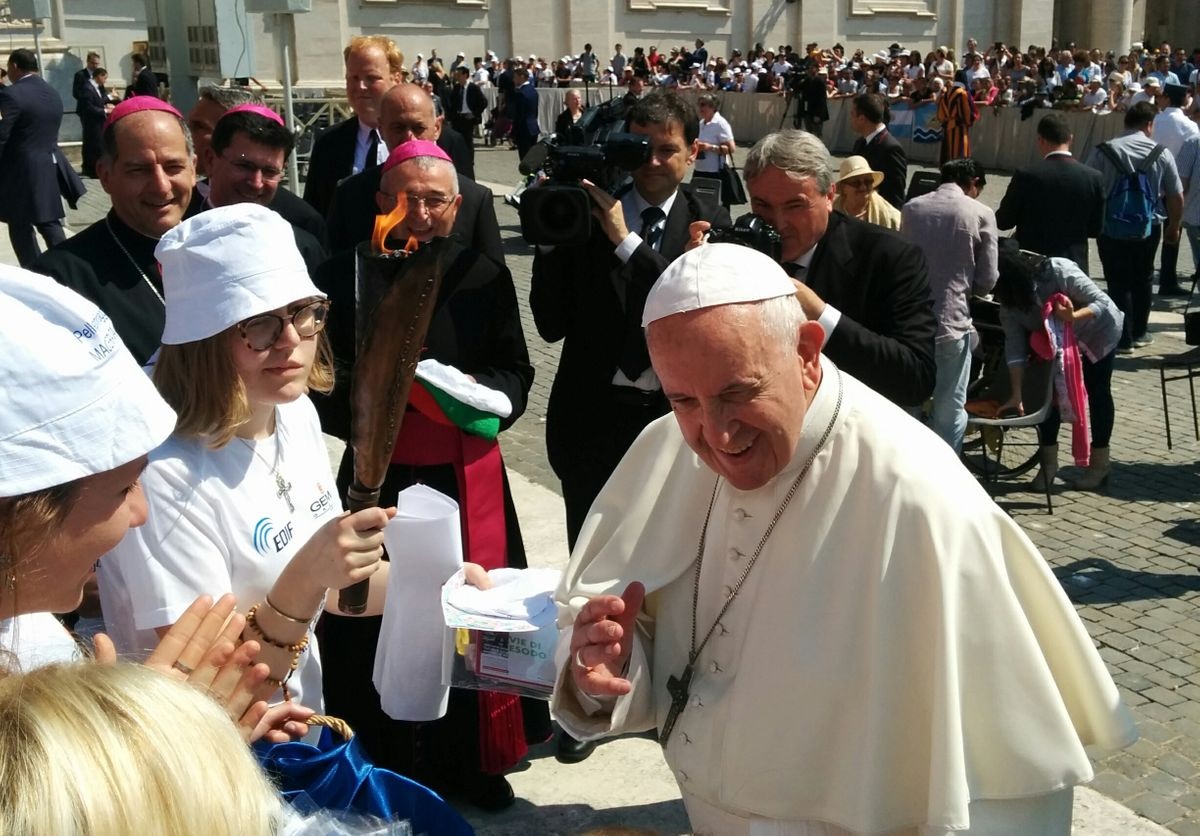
x: 1057, y: 154
x: 816, y: 419
x: 130, y: 237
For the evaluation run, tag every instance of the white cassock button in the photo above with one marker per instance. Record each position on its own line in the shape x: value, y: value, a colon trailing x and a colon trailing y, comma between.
x: 721, y: 627
x: 714, y: 667
x: 740, y: 514
x: 695, y: 701
x: 728, y: 591
x: 735, y: 554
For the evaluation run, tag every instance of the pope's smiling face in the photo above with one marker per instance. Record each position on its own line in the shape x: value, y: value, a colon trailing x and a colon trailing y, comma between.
x: 738, y: 391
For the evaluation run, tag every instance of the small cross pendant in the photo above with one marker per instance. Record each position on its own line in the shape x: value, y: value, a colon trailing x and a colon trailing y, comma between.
x: 284, y: 492
x: 678, y: 688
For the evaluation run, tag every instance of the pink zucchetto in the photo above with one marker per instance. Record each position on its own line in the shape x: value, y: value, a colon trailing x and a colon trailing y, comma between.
x: 257, y: 110
x: 414, y: 148
x: 136, y: 104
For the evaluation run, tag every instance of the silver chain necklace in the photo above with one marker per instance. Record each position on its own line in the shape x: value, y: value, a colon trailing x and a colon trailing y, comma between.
x: 133, y: 261
x: 680, y: 686
x: 283, y: 488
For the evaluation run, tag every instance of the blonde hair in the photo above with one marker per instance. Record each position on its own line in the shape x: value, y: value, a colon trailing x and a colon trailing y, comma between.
x: 109, y: 750
x: 201, y: 383
x: 395, y: 57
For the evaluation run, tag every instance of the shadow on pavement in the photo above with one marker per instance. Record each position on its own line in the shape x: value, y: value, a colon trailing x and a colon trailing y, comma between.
x: 662, y: 817
x: 1094, y: 580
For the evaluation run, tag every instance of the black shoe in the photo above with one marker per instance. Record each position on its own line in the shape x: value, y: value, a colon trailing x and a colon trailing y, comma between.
x: 491, y: 793
x: 570, y: 750
x: 1172, y: 290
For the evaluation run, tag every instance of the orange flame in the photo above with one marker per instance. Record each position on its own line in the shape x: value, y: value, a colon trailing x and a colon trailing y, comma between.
x: 384, y: 224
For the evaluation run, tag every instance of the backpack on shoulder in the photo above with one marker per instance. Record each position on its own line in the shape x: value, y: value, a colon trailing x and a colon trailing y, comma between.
x: 1129, y: 209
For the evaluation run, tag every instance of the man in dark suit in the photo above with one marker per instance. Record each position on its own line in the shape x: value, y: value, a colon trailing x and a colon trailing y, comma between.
x: 89, y: 107
x: 591, y: 296
x: 1057, y: 204
x: 459, y: 147
x: 407, y: 112
x: 202, y: 121
x: 868, y: 119
x: 30, y: 115
x: 373, y: 66
x: 812, y: 100
x: 466, y: 104
x: 865, y: 285
x: 92, y: 106
x: 524, y: 112
x: 145, y: 82
x: 84, y: 74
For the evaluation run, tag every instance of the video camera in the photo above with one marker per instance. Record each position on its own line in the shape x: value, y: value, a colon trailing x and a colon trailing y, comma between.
x: 596, y: 149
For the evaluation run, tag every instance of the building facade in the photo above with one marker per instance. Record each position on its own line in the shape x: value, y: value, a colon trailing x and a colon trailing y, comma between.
x: 195, y: 41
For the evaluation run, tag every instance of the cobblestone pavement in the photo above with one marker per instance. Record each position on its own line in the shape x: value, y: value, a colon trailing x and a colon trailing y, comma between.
x: 1125, y: 556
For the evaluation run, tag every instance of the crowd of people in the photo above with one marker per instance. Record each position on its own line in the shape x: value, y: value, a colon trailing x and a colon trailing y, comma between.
x: 702, y: 387
x: 1062, y: 76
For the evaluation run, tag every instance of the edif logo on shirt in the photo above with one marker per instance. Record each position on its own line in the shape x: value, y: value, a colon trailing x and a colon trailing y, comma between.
x: 269, y: 541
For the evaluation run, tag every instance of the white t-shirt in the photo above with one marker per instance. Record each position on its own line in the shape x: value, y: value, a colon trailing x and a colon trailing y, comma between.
x: 35, y: 639
x: 216, y: 524
x: 750, y: 83
x: 715, y: 132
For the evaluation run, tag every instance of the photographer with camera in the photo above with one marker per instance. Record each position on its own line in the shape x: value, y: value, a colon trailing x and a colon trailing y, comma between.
x: 590, y: 295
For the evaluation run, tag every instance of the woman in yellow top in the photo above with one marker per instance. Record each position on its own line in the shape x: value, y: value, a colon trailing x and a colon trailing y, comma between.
x: 856, y: 195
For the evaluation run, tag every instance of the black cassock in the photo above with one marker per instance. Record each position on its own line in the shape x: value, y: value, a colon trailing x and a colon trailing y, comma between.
x: 476, y: 328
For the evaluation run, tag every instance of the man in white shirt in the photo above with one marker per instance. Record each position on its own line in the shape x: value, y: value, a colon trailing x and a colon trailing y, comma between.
x: 1172, y: 128
x: 618, y: 62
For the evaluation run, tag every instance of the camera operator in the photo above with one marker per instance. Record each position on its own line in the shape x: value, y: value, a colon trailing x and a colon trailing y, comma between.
x: 812, y: 99
x: 591, y: 295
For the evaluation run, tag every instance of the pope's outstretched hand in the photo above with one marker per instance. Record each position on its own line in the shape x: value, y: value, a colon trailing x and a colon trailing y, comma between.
x: 602, y: 641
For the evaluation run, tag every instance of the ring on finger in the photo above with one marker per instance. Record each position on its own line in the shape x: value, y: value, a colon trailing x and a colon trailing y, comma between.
x: 182, y: 668
x: 579, y: 660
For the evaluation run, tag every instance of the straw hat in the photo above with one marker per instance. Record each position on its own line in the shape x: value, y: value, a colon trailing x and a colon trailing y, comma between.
x: 856, y: 167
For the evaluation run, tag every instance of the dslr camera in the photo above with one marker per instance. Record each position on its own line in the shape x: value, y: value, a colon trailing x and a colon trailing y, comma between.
x: 750, y: 231
x: 559, y: 211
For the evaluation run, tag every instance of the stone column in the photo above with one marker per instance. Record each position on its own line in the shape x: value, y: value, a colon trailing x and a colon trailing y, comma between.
x: 1111, y: 25
x: 1032, y: 22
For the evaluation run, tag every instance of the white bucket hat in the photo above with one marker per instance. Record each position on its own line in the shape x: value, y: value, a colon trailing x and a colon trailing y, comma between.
x: 76, y: 403
x: 715, y: 274
x: 227, y: 265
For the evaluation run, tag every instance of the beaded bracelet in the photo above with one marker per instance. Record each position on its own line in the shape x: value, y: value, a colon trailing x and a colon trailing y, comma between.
x: 297, y: 648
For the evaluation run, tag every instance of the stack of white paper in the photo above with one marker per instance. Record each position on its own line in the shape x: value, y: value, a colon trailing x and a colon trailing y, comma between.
x: 424, y: 543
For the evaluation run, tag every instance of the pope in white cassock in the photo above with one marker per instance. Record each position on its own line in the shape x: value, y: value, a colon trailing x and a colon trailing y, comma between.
x: 840, y: 631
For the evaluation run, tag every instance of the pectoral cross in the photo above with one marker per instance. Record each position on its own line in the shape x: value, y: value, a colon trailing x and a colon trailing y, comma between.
x: 284, y: 491
x: 678, y: 688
